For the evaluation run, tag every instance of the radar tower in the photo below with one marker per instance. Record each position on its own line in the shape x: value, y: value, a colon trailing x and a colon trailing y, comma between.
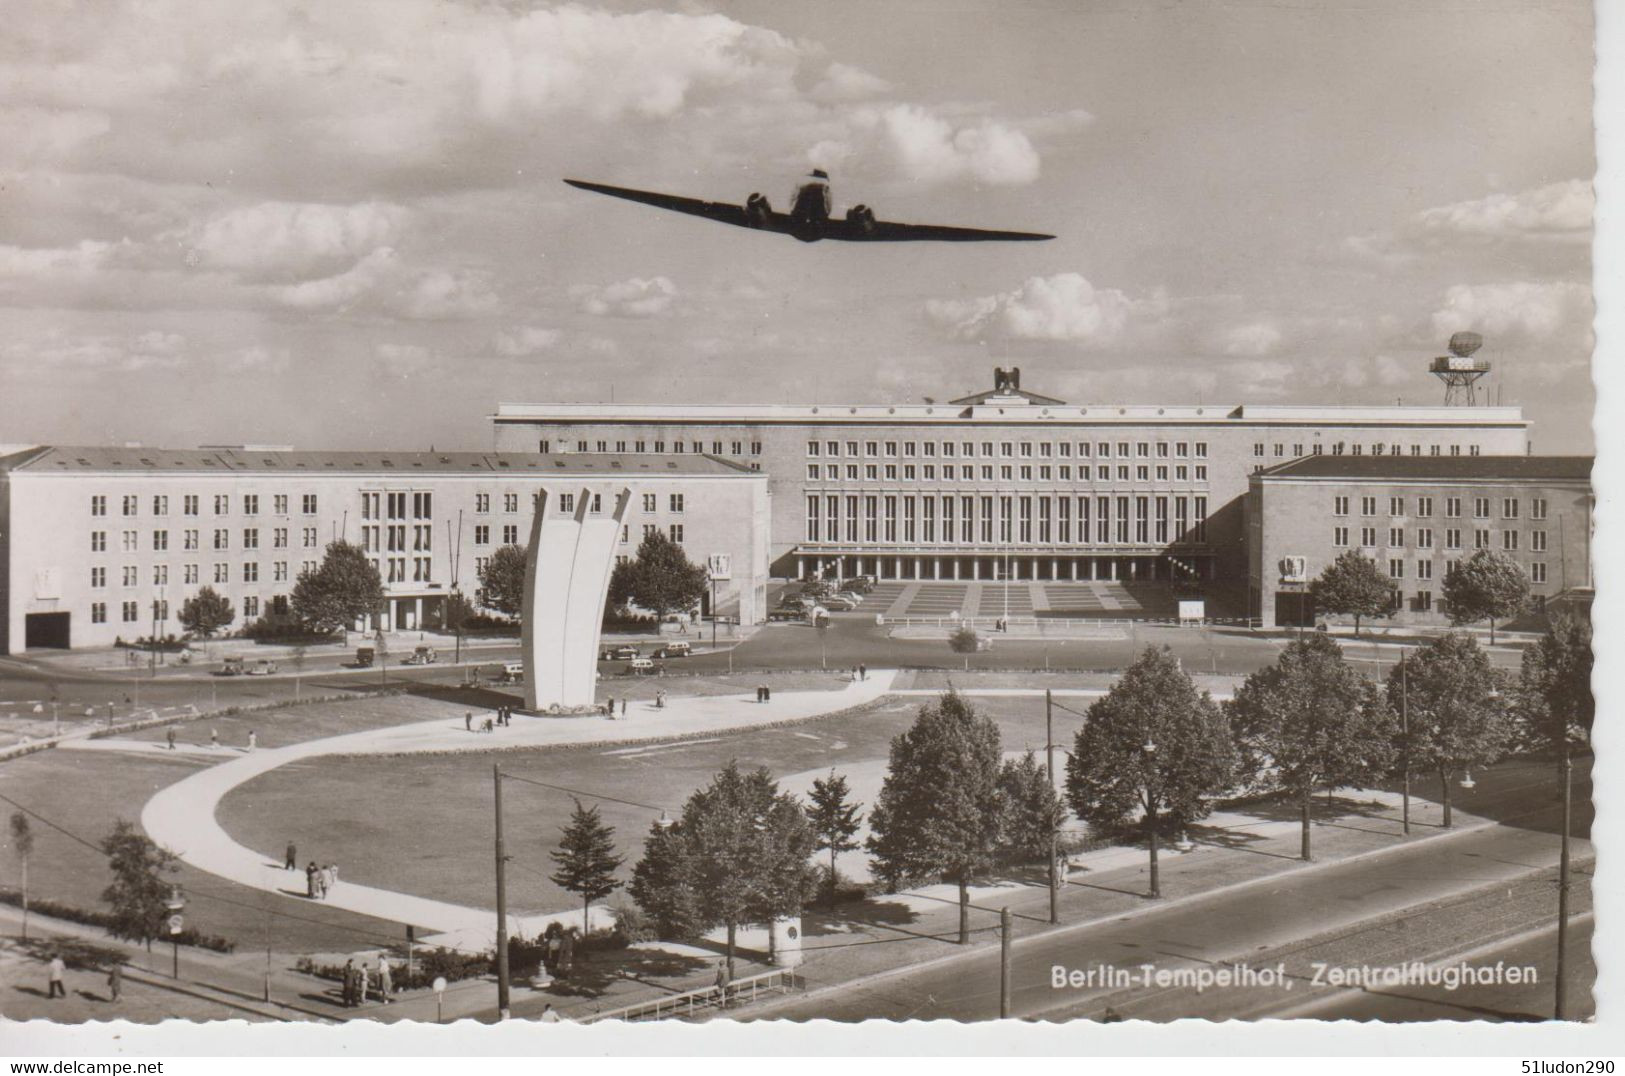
x: 1460, y: 371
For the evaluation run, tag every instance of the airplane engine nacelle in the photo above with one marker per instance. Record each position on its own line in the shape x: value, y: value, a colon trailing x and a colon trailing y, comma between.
x: 862, y: 216
x: 758, y: 213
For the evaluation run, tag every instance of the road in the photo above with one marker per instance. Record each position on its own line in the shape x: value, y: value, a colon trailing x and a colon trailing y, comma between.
x: 1254, y: 925
x: 1536, y: 948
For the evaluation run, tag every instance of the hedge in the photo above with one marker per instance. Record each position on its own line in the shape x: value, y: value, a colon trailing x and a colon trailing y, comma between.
x: 58, y: 910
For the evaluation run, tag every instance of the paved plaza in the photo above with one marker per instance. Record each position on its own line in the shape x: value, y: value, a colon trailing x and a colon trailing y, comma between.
x: 1019, y: 598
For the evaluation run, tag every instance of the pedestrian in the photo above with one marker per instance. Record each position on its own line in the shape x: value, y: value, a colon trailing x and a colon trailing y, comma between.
x: 332, y: 875
x: 214, y: 739
x: 310, y: 879
x: 488, y: 724
x: 348, y: 993
x: 722, y: 983
x: 253, y: 740
x: 609, y: 707
x: 290, y: 861
x: 169, y: 734
x: 507, y: 715
x: 386, y: 982
x: 361, y: 984
x: 468, y: 721
x: 58, y: 970
x: 548, y: 1015
x: 623, y: 706
x: 863, y: 671
x: 660, y: 700
x: 115, y: 981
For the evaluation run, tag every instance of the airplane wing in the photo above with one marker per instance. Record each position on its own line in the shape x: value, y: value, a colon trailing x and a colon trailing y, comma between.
x: 882, y: 231
x: 717, y: 211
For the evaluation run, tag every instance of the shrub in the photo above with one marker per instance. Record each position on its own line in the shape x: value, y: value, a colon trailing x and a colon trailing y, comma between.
x: 964, y: 640
x: 58, y: 910
x: 427, y: 966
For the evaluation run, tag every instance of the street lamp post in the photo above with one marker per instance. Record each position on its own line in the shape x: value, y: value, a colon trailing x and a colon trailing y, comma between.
x: 176, y: 902
x: 503, y: 1010
x: 1405, y: 741
x: 1150, y: 751
x: 1049, y: 766
x: 1560, y: 1008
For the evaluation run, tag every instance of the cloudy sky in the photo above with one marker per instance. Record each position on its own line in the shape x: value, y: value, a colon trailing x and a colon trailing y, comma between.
x: 342, y: 224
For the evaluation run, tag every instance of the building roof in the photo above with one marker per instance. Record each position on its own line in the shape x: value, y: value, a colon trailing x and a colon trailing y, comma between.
x: 64, y: 459
x: 1006, y: 411
x: 1444, y: 468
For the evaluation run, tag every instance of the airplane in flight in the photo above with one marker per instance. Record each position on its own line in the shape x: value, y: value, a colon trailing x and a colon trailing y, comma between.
x: 809, y: 219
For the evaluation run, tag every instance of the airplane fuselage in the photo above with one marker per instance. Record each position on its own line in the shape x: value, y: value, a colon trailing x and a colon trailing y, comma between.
x: 810, y: 209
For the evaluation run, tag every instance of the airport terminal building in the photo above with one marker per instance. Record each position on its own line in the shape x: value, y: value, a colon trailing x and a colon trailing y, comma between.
x: 100, y: 543
x: 1009, y: 481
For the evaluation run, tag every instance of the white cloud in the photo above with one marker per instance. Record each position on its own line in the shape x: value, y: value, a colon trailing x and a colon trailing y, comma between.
x: 257, y: 359
x: 293, y: 241
x: 1060, y: 307
x: 57, y: 354
x: 1256, y: 339
x: 842, y: 82
x: 381, y: 282
x: 1558, y: 210
x: 1524, y: 311
x: 634, y: 298
x: 923, y: 146
x: 525, y: 340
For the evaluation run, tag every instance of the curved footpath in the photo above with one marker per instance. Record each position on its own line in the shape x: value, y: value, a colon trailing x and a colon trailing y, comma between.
x: 182, y: 816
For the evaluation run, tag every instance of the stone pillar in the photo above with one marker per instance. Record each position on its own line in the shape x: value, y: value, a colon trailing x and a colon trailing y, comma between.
x: 976, y: 568
x: 897, y: 566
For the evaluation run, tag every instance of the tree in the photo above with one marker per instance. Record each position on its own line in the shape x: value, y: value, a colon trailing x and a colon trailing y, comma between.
x: 834, y: 821
x: 747, y: 846
x: 138, y: 892
x: 964, y: 640
x: 660, y: 883
x: 622, y: 582
x: 1455, y: 708
x: 206, y: 612
x: 1031, y: 810
x: 1553, y: 702
x: 502, y: 581
x: 1352, y: 585
x: 1487, y: 585
x: 341, y: 590
x: 1311, y: 721
x: 663, y: 579
x: 738, y: 855
x: 22, y: 843
x: 1153, y: 746
x: 939, y: 809
x: 587, y: 860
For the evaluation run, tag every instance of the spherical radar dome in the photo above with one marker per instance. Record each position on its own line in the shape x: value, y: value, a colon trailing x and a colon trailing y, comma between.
x: 1465, y: 343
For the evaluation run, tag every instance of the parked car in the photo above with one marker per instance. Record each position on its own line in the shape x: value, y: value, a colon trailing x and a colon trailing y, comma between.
x: 851, y: 595
x: 262, y: 667
x: 423, y: 655
x: 231, y: 667
x: 840, y: 602
x: 618, y: 653
x: 640, y: 666
x: 364, y: 656
x: 513, y: 672
x: 673, y: 650
x: 782, y: 613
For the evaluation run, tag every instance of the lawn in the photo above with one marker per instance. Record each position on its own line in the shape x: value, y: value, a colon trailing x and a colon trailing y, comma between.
x: 424, y: 825
x: 86, y: 792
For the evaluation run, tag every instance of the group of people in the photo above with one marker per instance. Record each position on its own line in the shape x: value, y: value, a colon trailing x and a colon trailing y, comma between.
x: 214, y: 738
x: 860, y: 671
x: 502, y: 716
x: 609, y: 707
x: 357, y: 982
x: 56, y: 976
x: 318, y: 880
x: 764, y: 693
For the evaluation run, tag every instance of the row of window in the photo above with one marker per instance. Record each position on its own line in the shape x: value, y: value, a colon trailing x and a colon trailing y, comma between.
x: 968, y: 519
x: 1010, y: 449
x: 191, y: 502
x: 1482, y: 538
x: 1378, y: 448
x: 678, y: 447
x: 130, y: 541
x: 965, y: 472
x: 1510, y: 507
x: 192, y: 573
x: 385, y: 505
x: 159, y: 609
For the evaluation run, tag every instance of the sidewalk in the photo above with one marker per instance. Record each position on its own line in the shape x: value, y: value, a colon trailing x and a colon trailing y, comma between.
x: 182, y: 816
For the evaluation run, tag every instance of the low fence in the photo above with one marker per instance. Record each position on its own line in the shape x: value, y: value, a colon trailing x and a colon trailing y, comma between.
x: 991, y: 623
x: 693, y: 1002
